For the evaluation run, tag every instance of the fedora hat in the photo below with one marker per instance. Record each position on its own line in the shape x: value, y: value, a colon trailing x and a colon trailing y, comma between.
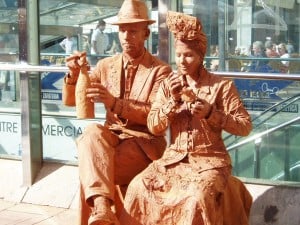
x: 133, y: 11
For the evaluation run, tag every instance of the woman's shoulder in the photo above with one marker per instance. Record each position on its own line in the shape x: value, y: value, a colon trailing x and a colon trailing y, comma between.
x: 213, y: 76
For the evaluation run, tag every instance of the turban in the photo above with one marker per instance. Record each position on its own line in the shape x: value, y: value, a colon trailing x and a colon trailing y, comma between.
x: 187, y: 30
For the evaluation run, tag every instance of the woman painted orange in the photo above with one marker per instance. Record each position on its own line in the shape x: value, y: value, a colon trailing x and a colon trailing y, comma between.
x: 186, y: 185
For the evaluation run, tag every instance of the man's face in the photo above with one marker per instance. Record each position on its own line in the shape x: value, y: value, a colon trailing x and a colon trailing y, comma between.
x: 102, y: 27
x: 132, y: 37
x: 237, y: 51
x: 256, y: 50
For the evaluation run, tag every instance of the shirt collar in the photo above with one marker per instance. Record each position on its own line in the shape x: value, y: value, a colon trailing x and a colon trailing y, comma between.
x: 135, y: 62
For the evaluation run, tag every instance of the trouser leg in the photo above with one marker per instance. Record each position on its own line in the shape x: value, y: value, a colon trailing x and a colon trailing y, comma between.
x: 96, y: 161
x: 84, y: 208
x: 104, y: 161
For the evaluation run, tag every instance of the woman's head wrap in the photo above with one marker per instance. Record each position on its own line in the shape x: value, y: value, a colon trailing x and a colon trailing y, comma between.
x: 188, y: 30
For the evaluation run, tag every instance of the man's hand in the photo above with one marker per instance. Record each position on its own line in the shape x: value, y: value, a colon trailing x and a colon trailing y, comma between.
x: 75, y: 62
x: 201, y: 109
x: 98, y: 93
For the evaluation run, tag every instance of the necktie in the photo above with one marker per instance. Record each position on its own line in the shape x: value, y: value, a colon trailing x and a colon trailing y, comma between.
x: 130, y: 72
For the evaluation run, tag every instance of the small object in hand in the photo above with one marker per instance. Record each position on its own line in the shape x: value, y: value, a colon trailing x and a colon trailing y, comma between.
x: 188, y: 95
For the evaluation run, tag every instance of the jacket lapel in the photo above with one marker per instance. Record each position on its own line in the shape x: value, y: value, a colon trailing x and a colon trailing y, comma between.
x: 142, y: 76
x: 114, y: 76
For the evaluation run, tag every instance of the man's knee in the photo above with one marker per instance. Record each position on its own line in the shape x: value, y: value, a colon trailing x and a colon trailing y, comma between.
x: 97, y: 132
x: 93, y: 129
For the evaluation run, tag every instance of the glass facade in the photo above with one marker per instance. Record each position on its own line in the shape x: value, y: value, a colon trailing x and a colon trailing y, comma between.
x: 254, y: 42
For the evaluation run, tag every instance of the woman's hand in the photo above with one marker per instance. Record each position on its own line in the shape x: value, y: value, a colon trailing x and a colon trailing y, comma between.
x: 98, y: 93
x: 175, y: 84
x: 201, y: 109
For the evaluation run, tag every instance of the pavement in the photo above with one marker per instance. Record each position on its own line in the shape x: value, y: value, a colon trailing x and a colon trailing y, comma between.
x: 54, y: 196
x: 12, y: 213
x: 51, y: 200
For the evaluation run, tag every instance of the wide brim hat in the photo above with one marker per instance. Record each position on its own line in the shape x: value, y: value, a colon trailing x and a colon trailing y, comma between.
x: 133, y: 11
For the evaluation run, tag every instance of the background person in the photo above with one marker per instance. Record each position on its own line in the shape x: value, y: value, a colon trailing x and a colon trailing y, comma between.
x: 270, y: 50
x: 99, y: 42
x: 7, y: 78
x: 215, y: 62
x: 69, y: 44
x: 283, y: 52
x: 260, y: 63
x: 113, y: 153
x: 86, y: 46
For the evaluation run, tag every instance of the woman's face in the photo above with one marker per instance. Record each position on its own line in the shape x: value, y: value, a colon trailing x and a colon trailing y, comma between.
x: 186, y: 58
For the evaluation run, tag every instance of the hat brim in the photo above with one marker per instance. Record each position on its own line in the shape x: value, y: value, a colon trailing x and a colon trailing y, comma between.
x: 127, y: 21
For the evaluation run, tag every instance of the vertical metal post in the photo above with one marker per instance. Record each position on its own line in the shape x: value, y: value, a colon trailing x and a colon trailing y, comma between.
x: 150, y: 39
x: 287, y: 155
x: 222, y: 34
x: 28, y: 13
x: 256, y: 159
x: 164, y: 41
x: 236, y: 162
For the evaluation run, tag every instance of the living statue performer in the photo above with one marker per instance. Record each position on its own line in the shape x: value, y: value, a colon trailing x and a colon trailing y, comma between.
x: 191, y: 184
x: 112, y: 154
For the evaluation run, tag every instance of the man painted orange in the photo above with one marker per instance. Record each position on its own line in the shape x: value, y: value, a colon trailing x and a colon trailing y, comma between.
x: 116, y: 152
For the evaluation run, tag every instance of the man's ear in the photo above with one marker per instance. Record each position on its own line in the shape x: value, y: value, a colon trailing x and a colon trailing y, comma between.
x: 147, y: 33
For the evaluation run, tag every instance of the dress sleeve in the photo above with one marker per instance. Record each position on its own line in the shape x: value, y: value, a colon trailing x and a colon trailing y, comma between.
x: 162, y: 111
x: 229, y: 112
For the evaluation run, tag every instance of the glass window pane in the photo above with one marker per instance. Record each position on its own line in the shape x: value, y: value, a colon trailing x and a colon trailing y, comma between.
x: 257, y: 37
x: 10, y: 119
x: 233, y: 26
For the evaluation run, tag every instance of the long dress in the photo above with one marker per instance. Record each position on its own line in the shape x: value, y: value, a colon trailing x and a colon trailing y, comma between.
x: 186, y: 185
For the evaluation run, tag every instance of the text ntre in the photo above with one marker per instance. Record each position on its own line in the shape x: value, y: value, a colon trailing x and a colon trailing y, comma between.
x: 8, y: 127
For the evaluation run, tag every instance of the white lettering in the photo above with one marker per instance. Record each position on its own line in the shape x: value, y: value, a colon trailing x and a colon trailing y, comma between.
x: 52, y: 96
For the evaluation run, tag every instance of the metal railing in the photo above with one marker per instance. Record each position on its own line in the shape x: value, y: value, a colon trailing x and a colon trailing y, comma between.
x: 282, y: 105
x: 24, y: 67
x: 257, y: 140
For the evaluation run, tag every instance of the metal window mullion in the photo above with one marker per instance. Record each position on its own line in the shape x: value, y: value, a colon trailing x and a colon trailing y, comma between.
x: 31, y: 139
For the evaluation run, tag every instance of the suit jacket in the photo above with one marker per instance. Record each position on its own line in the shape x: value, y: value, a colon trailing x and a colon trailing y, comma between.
x: 151, y: 71
x: 133, y: 111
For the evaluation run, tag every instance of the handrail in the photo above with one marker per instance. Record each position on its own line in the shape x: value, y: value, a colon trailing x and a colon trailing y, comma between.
x: 247, y: 58
x: 264, y: 133
x: 290, y: 101
x: 251, y: 75
x: 23, y: 67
